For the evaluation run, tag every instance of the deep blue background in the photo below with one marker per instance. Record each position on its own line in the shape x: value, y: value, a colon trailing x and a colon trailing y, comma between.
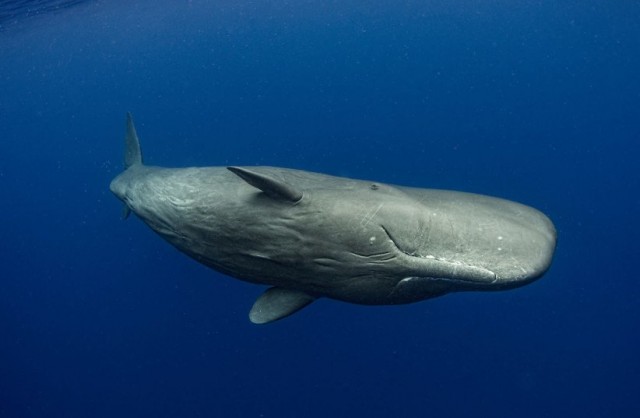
x: 535, y: 101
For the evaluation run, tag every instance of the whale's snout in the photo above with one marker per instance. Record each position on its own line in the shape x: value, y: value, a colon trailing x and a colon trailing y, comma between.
x: 118, y: 188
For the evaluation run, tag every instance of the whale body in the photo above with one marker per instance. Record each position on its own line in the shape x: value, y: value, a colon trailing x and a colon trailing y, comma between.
x: 309, y: 235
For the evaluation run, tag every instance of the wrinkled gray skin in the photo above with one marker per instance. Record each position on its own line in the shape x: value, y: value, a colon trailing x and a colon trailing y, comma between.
x: 311, y: 235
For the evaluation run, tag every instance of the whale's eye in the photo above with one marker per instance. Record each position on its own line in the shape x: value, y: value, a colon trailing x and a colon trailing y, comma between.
x: 374, y: 186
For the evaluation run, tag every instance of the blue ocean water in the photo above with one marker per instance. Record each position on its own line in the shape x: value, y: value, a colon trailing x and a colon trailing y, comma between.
x: 537, y: 102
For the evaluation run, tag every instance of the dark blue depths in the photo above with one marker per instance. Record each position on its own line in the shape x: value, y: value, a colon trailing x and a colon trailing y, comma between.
x: 532, y: 101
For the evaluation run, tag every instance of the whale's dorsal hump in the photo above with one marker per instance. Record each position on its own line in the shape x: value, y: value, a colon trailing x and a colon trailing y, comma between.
x: 271, y: 186
x: 277, y: 303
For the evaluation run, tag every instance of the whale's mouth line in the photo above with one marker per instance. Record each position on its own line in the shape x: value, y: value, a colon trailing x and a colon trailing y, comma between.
x: 447, y: 270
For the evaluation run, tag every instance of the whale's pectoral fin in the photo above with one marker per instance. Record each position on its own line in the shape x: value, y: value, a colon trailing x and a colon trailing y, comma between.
x: 271, y: 186
x: 132, y: 152
x: 126, y: 211
x: 277, y: 303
